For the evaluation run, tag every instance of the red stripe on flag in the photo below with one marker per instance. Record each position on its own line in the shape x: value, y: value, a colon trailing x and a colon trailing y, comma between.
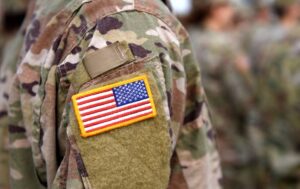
x: 98, y: 110
x: 91, y: 94
x: 95, y: 98
x: 100, y: 128
x: 116, y: 117
x: 97, y: 104
x: 113, y: 112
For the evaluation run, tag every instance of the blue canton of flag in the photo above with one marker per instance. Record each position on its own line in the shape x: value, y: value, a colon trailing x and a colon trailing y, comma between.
x: 130, y: 93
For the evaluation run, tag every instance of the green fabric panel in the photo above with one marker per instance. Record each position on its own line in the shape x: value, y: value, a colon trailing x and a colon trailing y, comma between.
x: 136, y: 156
x: 107, y: 58
x: 80, y: 76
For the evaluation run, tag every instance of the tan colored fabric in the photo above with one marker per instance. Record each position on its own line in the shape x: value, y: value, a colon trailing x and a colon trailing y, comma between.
x: 108, y: 58
x: 128, y: 149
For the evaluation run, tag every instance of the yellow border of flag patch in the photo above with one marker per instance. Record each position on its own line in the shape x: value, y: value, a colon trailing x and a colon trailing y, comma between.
x: 119, y: 125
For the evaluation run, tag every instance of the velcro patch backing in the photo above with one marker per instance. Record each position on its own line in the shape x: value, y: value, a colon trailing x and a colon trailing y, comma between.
x: 114, y: 106
x: 108, y: 58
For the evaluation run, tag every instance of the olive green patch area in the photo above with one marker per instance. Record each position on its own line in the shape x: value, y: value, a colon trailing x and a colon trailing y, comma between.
x: 137, y: 156
x: 108, y: 58
x: 80, y: 76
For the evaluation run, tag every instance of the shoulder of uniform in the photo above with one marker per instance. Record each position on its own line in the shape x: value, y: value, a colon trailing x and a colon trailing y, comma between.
x: 98, y: 9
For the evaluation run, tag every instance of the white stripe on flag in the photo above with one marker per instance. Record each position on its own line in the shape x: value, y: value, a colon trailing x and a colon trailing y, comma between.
x: 96, y: 102
x: 97, y: 108
x: 116, y: 121
x: 118, y: 113
x: 110, y: 110
x: 94, y: 96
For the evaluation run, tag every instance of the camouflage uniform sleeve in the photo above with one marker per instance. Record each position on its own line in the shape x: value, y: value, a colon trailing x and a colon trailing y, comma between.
x: 49, y: 150
x: 165, y: 55
x: 136, y: 155
x: 196, y: 148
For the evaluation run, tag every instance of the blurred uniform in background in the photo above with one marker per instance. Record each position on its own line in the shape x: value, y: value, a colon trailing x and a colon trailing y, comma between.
x: 263, y: 14
x: 268, y: 33
x: 242, y: 21
x: 175, y: 149
x: 227, y: 82
x: 13, y: 12
x: 259, y: 32
x: 1, y: 27
x: 276, y: 134
x: 16, y: 7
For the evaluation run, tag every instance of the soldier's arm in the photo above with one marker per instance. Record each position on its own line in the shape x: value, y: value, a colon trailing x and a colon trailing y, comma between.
x: 162, y: 54
x: 198, y: 160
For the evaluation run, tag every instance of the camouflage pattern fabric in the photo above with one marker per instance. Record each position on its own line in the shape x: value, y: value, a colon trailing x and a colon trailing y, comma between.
x: 11, y: 50
x: 274, y: 135
x: 46, y: 149
x: 226, y: 79
x: 8, y: 68
x: 260, y: 36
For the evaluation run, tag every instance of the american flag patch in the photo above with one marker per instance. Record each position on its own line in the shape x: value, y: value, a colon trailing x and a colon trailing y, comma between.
x: 114, y: 106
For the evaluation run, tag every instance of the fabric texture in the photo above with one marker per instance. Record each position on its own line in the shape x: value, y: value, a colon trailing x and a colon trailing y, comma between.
x: 43, y: 132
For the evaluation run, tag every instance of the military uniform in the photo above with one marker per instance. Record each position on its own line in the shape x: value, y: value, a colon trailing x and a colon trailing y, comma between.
x: 64, y: 132
x: 11, y: 13
x: 1, y: 27
x: 8, y: 68
x: 258, y: 33
x: 226, y: 80
x: 274, y: 135
x: 228, y: 88
x: 278, y: 94
x: 10, y: 47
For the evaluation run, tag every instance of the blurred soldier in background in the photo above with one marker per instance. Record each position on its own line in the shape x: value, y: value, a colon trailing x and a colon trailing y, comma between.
x: 259, y: 29
x: 1, y: 27
x: 276, y: 135
x: 258, y: 141
x: 260, y: 32
x: 242, y: 20
x: 4, y: 176
x: 287, y: 14
x: 12, y: 13
x: 11, y: 41
x: 225, y: 71
x: 263, y: 12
